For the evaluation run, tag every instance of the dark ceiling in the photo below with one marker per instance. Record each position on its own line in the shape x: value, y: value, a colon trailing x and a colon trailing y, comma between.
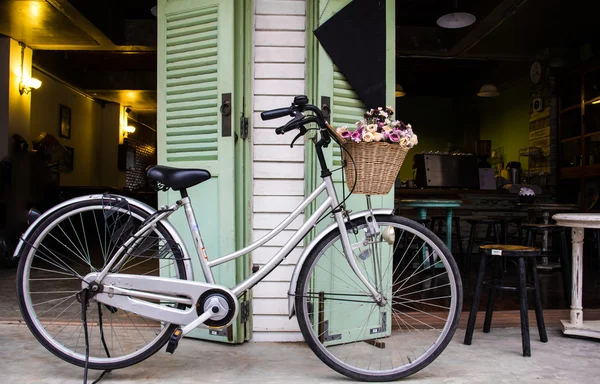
x: 108, y: 48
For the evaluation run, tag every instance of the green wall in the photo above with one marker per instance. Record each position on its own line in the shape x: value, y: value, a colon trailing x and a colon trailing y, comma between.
x: 505, y: 120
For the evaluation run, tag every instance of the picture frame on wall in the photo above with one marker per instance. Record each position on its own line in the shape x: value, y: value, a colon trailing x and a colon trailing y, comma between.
x: 66, y: 164
x: 65, y: 122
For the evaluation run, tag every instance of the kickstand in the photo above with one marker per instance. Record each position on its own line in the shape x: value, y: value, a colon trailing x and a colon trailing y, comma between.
x: 84, y: 299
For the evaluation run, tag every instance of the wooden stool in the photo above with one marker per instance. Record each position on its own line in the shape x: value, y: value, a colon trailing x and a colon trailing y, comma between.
x: 491, y: 227
x: 533, y: 230
x: 441, y: 223
x: 505, y: 222
x: 525, y: 255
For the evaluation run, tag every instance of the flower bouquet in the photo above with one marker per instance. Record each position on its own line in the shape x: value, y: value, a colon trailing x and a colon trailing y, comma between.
x: 374, y: 151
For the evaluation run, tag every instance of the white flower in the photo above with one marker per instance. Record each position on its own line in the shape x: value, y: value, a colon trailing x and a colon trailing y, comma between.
x: 405, y: 142
x: 341, y: 129
x: 408, y: 126
x: 367, y: 137
x: 413, y: 140
x: 377, y: 136
x: 372, y: 128
x: 387, y: 128
x: 383, y: 114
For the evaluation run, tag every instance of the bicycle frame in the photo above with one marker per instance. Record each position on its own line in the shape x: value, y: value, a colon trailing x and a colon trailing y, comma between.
x: 331, y: 202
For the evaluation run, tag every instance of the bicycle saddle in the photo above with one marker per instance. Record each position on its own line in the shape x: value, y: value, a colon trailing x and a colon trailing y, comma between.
x: 177, y: 178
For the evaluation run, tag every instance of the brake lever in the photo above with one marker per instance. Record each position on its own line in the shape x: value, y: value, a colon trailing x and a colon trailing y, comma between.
x: 302, y: 133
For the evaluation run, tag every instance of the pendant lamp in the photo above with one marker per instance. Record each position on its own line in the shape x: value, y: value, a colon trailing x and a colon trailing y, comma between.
x: 488, y: 90
x: 456, y: 19
x: 399, y: 91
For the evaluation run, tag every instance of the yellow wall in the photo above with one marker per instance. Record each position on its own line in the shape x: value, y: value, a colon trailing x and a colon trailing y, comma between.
x: 86, y: 121
x: 505, y: 121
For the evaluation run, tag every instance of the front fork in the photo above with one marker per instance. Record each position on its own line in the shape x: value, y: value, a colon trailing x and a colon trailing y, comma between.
x: 373, y: 232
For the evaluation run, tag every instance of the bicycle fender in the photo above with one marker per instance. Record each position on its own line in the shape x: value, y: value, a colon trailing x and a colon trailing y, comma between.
x: 312, y: 244
x: 144, y: 207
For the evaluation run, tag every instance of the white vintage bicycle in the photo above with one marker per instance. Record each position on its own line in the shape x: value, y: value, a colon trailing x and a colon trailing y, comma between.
x: 104, y: 281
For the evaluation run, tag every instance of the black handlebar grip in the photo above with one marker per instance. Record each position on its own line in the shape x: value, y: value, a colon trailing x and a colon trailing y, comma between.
x: 276, y: 113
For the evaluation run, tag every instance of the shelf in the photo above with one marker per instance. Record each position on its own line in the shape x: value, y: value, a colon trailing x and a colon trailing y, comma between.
x: 581, y: 171
x: 593, y: 101
x: 570, y: 108
x: 531, y: 152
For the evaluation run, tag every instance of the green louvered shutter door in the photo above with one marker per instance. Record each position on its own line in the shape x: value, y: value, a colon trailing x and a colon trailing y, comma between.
x: 347, y: 109
x: 195, y: 73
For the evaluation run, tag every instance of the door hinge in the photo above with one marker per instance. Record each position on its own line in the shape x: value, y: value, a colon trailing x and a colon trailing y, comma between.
x: 243, y: 127
x: 244, y: 311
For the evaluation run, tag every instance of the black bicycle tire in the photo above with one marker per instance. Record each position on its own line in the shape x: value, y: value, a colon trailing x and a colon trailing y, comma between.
x: 24, y: 252
x: 314, y: 344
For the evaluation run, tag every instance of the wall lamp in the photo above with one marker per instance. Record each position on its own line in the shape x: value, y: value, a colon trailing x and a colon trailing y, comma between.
x: 128, y: 130
x: 26, y: 85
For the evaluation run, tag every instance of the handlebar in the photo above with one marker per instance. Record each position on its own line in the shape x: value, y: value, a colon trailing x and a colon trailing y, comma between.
x: 296, y: 110
x: 277, y: 113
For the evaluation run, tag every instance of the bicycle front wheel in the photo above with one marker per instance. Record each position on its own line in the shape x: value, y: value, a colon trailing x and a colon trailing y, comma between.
x: 78, y: 239
x: 341, y: 322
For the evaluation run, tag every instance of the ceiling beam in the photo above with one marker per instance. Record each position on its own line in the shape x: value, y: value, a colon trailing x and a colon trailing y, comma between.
x: 493, y: 20
x: 71, y: 13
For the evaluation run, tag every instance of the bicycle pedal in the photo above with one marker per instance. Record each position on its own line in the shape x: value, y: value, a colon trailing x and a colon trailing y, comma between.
x: 174, y: 340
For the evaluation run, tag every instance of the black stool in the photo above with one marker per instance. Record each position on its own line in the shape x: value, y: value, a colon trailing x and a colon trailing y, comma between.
x: 505, y: 222
x: 533, y: 230
x: 441, y: 223
x: 492, y: 227
x: 525, y: 255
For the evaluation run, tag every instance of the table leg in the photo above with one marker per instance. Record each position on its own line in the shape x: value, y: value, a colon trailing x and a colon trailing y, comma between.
x: 449, y: 229
x: 545, y: 264
x: 423, y: 217
x: 577, y: 277
x: 575, y: 326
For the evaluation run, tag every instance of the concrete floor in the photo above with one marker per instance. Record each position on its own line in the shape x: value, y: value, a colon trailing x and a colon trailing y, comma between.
x: 492, y: 358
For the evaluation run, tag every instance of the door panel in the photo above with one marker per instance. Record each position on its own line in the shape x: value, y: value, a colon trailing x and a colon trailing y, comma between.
x: 347, y: 109
x: 196, y: 60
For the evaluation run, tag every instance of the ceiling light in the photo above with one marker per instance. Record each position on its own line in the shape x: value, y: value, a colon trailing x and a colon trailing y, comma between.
x: 488, y: 90
x: 456, y: 19
x: 399, y: 91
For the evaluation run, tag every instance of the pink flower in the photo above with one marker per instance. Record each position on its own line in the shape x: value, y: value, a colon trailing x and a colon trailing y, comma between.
x: 356, y: 136
x: 394, y: 137
x: 346, y: 134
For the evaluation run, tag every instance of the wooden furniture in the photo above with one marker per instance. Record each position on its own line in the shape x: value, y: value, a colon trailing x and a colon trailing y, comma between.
x: 546, y: 209
x: 579, y: 138
x: 544, y: 229
x: 526, y: 257
x: 441, y: 222
x: 492, y: 227
x: 423, y: 205
x: 578, y: 222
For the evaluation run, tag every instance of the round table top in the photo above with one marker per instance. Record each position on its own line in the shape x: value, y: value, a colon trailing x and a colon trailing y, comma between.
x: 549, y: 206
x: 578, y: 220
x: 431, y: 203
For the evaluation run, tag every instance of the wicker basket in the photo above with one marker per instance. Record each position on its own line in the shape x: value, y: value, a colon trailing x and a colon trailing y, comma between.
x: 377, y: 166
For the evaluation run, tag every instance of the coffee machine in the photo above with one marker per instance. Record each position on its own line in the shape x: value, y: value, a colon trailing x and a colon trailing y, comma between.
x: 514, y: 172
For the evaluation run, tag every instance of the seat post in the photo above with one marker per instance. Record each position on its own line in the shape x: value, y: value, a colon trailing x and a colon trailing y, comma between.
x: 183, y: 192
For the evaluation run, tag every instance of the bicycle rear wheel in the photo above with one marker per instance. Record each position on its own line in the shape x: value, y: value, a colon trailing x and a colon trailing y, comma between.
x: 79, y: 239
x: 341, y: 322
